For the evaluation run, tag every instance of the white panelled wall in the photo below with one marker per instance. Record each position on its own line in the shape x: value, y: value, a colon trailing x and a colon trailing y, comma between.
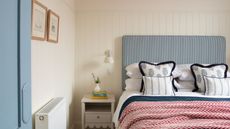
x: 100, y: 26
x: 53, y: 63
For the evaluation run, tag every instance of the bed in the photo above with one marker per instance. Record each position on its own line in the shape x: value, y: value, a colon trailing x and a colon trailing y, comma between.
x: 183, y: 109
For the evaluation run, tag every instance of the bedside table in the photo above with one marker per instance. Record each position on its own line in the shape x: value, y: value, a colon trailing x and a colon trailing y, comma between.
x: 97, y: 113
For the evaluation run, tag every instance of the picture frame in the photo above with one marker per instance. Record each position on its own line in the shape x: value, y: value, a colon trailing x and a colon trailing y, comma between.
x: 53, y: 27
x: 39, y: 21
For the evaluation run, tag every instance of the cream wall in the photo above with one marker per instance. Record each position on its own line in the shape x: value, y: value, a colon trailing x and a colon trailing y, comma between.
x: 53, y: 64
x: 100, y: 24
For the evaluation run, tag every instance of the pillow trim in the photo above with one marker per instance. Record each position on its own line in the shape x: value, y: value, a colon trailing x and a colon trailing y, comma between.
x: 206, y: 66
x: 156, y: 64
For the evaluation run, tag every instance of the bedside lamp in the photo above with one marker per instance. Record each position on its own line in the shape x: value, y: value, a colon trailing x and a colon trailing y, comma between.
x: 108, y: 57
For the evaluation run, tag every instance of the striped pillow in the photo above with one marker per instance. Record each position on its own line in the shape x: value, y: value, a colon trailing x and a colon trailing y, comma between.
x: 158, y: 85
x: 217, y: 86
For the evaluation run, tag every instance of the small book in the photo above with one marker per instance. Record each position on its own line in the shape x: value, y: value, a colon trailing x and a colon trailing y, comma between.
x: 99, y: 95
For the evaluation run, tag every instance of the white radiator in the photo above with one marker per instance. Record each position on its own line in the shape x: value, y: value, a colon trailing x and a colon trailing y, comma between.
x: 52, y: 115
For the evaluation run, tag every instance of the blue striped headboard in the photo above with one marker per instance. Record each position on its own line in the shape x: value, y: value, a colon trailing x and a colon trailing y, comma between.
x: 181, y: 49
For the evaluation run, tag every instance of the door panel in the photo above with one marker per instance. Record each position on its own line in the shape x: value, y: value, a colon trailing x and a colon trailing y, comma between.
x: 9, y: 83
x: 25, y: 63
x: 15, y: 84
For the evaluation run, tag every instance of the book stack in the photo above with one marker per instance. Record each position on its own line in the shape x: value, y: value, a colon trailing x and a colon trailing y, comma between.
x: 99, y: 95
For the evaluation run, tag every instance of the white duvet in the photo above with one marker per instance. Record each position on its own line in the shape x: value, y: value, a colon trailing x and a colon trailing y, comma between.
x: 126, y: 94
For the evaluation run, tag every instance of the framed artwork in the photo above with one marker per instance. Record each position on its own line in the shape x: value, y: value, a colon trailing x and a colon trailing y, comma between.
x: 53, y: 27
x: 39, y: 21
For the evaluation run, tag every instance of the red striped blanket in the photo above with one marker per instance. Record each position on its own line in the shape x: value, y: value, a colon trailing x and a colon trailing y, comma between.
x: 176, y: 115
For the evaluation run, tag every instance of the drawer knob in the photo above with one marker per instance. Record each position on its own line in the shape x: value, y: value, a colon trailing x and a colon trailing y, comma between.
x: 98, y: 117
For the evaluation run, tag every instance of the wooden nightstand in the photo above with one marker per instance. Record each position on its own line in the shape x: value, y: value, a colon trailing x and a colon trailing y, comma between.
x: 97, y: 113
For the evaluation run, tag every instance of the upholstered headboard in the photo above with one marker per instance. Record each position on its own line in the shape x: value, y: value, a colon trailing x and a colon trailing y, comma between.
x: 181, y: 49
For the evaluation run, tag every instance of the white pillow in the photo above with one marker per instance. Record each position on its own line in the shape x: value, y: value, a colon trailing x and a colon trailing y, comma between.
x: 228, y: 74
x: 184, y: 84
x: 183, y: 72
x: 158, y: 85
x: 186, y: 76
x: 217, y: 86
x: 133, y: 71
x: 137, y: 75
x: 188, y: 91
x: 133, y: 68
x: 214, y: 70
x: 133, y: 84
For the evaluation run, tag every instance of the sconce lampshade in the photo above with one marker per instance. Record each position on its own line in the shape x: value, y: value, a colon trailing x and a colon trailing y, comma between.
x: 108, y: 57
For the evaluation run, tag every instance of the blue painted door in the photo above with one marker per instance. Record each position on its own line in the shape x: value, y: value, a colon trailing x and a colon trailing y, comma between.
x: 15, y: 84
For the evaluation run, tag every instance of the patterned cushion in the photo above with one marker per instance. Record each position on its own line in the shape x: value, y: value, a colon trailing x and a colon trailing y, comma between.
x: 217, y: 86
x: 162, y: 69
x: 158, y: 85
x: 214, y: 70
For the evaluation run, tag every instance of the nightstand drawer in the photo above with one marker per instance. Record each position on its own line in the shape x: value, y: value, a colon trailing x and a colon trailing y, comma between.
x: 97, y: 113
x: 98, y: 117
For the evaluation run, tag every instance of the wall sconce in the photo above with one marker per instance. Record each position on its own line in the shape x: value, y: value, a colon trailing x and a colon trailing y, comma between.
x: 108, y: 57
